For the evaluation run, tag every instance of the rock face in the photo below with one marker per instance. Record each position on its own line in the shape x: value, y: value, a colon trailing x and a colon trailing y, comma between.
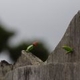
x: 27, y: 59
x: 56, y: 71
x: 4, y: 68
x: 24, y: 60
x: 59, y: 65
x: 71, y: 38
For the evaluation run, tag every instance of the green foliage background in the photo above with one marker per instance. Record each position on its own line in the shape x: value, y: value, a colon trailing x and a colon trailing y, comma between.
x: 40, y: 51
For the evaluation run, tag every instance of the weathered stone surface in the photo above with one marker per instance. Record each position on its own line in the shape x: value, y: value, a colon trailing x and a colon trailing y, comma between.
x: 27, y: 59
x: 24, y: 60
x: 71, y: 38
x: 4, y: 68
x: 55, y: 71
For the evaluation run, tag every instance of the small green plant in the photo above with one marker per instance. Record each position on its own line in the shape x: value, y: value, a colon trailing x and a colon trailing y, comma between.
x: 30, y: 47
x: 68, y: 49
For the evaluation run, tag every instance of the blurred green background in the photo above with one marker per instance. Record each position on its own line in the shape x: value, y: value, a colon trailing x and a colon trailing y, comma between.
x: 15, y: 51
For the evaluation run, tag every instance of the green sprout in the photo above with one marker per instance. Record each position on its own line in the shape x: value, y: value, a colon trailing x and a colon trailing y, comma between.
x: 68, y: 49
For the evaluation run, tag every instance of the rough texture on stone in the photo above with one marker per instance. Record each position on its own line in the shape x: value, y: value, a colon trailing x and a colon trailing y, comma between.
x: 24, y: 60
x: 71, y: 38
x: 56, y: 71
x: 4, y: 68
x: 27, y: 59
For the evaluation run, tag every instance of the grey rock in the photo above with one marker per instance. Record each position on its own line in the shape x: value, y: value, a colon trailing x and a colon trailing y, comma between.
x: 55, y: 71
x: 27, y: 59
x: 4, y: 68
x: 71, y: 38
